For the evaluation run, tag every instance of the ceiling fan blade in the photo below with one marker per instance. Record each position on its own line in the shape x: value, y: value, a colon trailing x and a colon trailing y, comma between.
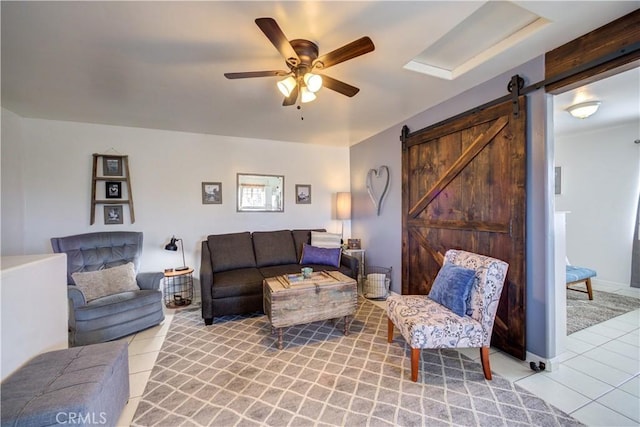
x: 338, y: 86
x: 248, y: 74
x: 273, y: 32
x: 292, y: 98
x: 349, y: 51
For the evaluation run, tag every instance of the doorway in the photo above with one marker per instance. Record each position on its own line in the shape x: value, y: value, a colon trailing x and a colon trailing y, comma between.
x: 599, y: 176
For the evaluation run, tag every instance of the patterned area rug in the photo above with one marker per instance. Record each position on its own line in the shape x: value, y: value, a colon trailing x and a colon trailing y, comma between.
x: 582, y: 313
x: 232, y: 374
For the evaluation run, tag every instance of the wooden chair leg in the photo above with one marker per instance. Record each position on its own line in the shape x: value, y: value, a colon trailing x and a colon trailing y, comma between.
x: 389, y: 330
x: 484, y: 358
x: 589, y: 289
x: 415, y: 362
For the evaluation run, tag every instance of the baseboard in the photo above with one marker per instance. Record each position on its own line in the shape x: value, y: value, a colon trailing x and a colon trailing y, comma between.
x: 606, y: 283
x: 549, y: 364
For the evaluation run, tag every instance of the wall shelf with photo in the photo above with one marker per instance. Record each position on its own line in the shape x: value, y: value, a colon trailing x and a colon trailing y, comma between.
x: 111, y: 188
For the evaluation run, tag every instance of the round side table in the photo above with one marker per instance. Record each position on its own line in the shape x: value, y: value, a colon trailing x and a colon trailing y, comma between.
x: 178, y: 288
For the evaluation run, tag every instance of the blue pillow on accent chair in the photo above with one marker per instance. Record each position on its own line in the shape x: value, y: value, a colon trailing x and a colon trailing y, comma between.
x: 324, y: 256
x: 452, y: 287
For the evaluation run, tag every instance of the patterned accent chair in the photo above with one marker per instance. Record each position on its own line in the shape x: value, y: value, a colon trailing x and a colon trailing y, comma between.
x: 425, y: 323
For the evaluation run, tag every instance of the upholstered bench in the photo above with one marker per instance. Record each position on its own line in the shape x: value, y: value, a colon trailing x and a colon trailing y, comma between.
x: 579, y: 275
x: 78, y: 386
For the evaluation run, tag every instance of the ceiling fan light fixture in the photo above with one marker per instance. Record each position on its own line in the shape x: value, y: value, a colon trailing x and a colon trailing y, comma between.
x: 313, y: 81
x: 306, y: 95
x: 584, y: 109
x: 287, y: 85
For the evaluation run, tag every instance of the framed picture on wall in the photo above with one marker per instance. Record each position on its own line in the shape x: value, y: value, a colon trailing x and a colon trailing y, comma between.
x: 111, y: 166
x: 211, y: 193
x: 113, y: 190
x: 113, y: 214
x: 303, y: 194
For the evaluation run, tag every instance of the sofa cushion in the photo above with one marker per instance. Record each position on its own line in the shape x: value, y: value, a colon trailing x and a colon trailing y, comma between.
x: 234, y: 283
x: 578, y: 274
x: 231, y: 251
x: 121, y: 305
x: 274, y: 248
x: 110, y: 281
x: 326, y: 240
x: 280, y: 270
x: 300, y: 237
x: 323, y: 256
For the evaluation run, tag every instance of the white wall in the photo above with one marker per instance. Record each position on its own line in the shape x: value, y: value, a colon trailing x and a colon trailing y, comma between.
x: 12, y: 205
x: 33, y: 302
x: 600, y: 186
x: 54, y: 159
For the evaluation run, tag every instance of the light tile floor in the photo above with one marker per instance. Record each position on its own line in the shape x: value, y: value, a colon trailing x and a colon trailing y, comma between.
x: 597, y: 381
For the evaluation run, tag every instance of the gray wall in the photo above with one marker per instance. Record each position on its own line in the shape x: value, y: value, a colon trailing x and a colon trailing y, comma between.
x: 382, y: 235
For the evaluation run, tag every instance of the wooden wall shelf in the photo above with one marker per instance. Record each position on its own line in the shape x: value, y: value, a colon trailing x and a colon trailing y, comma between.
x: 121, y: 174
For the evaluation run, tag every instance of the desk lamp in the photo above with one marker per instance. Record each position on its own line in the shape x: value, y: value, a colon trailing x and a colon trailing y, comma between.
x: 171, y: 246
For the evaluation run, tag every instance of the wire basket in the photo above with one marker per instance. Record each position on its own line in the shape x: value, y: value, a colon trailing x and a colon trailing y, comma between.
x: 377, y: 282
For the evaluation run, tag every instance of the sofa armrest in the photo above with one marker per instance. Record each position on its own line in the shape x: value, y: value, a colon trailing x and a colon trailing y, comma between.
x: 351, y: 262
x: 76, y: 296
x: 206, y: 284
x: 150, y: 281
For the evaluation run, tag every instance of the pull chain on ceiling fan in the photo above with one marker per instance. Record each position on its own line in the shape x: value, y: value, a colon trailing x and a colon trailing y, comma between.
x: 302, y: 59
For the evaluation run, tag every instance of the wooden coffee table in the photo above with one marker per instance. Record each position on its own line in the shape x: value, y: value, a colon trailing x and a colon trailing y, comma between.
x: 326, y: 295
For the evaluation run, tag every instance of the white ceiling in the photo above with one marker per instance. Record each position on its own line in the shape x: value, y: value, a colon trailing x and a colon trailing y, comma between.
x: 160, y: 64
x: 620, y: 102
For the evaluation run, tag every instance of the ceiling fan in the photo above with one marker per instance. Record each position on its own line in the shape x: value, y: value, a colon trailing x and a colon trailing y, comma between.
x: 303, y: 61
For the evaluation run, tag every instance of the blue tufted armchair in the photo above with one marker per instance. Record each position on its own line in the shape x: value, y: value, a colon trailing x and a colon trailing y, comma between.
x: 112, y: 316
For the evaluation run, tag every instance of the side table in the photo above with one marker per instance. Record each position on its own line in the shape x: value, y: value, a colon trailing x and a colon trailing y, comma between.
x: 359, y: 255
x: 178, y: 288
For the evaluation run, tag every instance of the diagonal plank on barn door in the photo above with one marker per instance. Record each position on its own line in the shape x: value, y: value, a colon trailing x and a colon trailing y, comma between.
x: 463, y: 187
x: 469, y: 154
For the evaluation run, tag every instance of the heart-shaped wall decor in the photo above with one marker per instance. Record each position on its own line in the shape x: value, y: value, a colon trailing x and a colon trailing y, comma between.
x: 377, y: 173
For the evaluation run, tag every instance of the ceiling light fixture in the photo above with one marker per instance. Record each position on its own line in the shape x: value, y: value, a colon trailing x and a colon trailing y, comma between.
x: 287, y: 85
x: 309, y: 84
x: 306, y: 95
x: 584, y: 109
x: 313, y: 81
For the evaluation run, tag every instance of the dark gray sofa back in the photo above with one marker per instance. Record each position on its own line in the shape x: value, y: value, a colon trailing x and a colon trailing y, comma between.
x: 231, y: 251
x: 274, y: 248
x: 97, y: 251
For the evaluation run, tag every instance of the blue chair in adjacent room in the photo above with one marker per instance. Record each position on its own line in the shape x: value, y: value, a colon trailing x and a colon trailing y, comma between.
x: 577, y: 275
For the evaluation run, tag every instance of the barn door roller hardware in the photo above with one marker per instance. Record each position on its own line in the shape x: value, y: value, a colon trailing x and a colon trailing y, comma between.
x: 517, y: 83
x: 514, y: 87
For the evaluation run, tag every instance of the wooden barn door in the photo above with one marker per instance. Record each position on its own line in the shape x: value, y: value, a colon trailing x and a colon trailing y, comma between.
x: 464, y: 188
